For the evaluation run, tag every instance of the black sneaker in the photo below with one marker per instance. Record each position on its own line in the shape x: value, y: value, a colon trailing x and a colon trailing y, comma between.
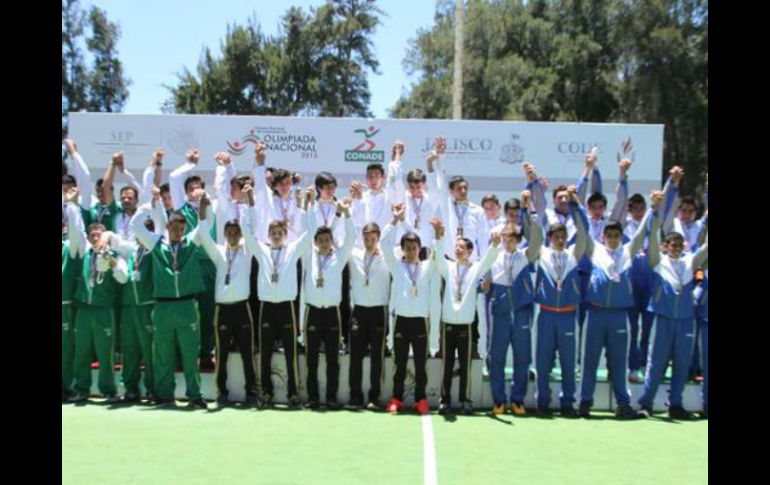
x: 165, y: 403
x: 112, y: 399
x: 438, y: 355
x: 678, y: 412
x: 644, y: 413
x: 355, y: 403
x: 467, y: 408
x: 65, y: 395
x: 543, y: 412
x: 624, y: 411
x: 77, y: 399
x: 265, y: 400
x: 568, y: 412
x: 294, y: 403
x: 223, y: 401
x: 311, y: 405
x: 332, y: 405
x: 130, y: 397
x: 444, y: 408
x: 372, y: 406
x: 207, y: 364
x: 198, y: 403
x: 251, y: 399
x: 585, y: 410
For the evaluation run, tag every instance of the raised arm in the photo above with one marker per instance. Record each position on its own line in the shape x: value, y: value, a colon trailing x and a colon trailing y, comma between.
x: 350, y: 232
x: 538, y: 191
x: 109, y: 177
x: 179, y: 175
x: 653, y: 246
x: 204, y: 236
x: 582, y: 183
x: 618, y: 213
x: 671, y: 198
x: 491, y: 255
x: 436, y: 176
x: 148, y: 238
x: 262, y: 193
x: 581, y: 223
x: 637, y: 242
x: 394, y: 183
x: 701, y: 256
x: 386, y: 241
x: 77, y: 236
x: 78, y: 168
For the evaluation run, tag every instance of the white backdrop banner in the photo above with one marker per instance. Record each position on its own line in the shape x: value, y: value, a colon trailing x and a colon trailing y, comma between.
x: 488, y: 153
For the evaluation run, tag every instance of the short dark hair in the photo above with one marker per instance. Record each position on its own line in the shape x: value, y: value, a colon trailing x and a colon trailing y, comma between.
x: 232, y: 223
x: 323, y: 179
x: 191, y: 180
x: 457, y: 179
x: 559, y: 188
x: 165, y: 188
x: 376, y: 166
x: 177, y: 216
x: 278, y: 175
x: 636, y: 199
x: 597, y: 197
x: 128, y: 187
x: 69, y: 179
x: 468, y: 243
x: 557, y: 227
x: 489, y: 197
x: 688, y: 199
x: 674, y: 236
x: 96, y: 225
x: 512, y: 203
x: 323, y: 230
x: 512, y: 230
x: 240, y: 181
x: 371, y: 227
x: 410, y: 237
x: 99, y: 183
x: 613, y: 226
x: 279, y: 223
x: 415, y: 176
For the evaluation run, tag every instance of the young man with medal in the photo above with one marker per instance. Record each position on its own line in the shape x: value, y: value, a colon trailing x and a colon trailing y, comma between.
x: 609, y: 296
x: 458, y: 311
x: 232, y: 318
x: 370, y: 285
x: 101, y: 272
x: 559, y: 296
x: 176, y: 282
x: 672, y: 302
x: 411, y: 293
x: 323, y: 269
x: 277, y: 287
x: 510, y: 299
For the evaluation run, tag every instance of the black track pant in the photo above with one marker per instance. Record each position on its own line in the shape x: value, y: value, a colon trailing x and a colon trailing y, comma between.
x: 367, y: 330
x: 410, y: 331
x: 322, y: 324
x: 456, y: 337
x: 233, y: 322
x: 277, y: 319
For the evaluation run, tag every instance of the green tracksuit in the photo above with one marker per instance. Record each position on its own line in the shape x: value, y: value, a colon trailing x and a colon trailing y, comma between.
x: 69, y: 273
x: 206, y: 300
x: 136, y: 323
x: 175, y: 315
x: 95, y: 295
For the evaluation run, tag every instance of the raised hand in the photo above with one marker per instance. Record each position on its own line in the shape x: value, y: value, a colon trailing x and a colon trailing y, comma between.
x: 192, y: 155
x: 259, y: 153
x: 656, y: 198
x: 529, y: 172
x: 397, y: 150
x: 496, y: 238
x: 157, y: 157
x: 72, y: 194
x: 525, y: 197
x: 117, y: 161
x: 438, y: 227
x: 623, y: 166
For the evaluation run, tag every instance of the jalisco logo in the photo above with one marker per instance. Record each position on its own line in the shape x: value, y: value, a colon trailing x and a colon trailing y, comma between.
x: 365, y: 151
x: 462, y: 146
x: 626, y: 148
x: 278, y: 142
x: 512, y: 152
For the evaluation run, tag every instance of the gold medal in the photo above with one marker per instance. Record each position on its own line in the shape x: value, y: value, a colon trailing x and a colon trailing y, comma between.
x: 414, y: 291
x: 319, y: 282
x: 274, y: 278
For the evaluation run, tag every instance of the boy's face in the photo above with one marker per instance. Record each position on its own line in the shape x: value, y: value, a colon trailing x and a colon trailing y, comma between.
x: 637, y: 211
x: 128, y: 200
x: 283, y: 187
x: 510, y: 242
x: 191, y: 188
x: 687, y: 213
x: 323, y: 242
x: 175, y: 230
x: 460, y: 191
x: 612, y: 239
x: 461, y: 250
x: 558, y: 240
x: 512, y: 216
x: 491, y: 209
x: 94, y: 235
x: 374, y: 179
x: 371, y: 240
x: 411, y: 250
x: 165, y: 197
x: 675, y: 248
x: 561, y: 201
x: 596, y: 209
x: 327, y: 191
x: 416, y: 188
x: 233, y: 235
x: 277, y: 235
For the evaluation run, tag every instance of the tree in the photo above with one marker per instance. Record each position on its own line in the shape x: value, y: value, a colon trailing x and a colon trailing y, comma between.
x: 101, y: 84
x: 578, y: 60
x: 315, y: 65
